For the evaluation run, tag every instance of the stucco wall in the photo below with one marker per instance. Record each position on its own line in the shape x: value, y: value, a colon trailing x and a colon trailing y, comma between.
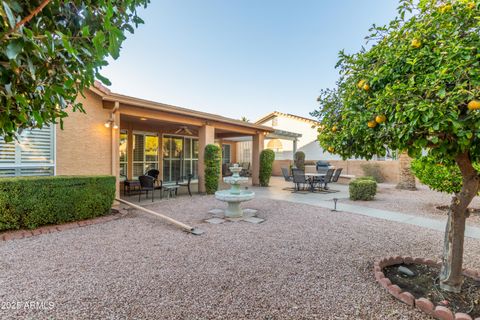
x: 389, y: 169
x: 84, y: 145
x: 278, y: 165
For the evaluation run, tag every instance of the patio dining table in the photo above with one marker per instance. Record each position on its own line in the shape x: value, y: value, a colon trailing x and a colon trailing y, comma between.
x: 312, y: 176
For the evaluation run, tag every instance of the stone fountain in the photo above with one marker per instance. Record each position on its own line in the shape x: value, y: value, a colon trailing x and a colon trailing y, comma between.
x: 234, y: 196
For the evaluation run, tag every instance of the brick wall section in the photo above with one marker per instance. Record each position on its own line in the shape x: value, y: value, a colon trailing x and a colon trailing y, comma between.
x: 84, y: 145
x: 390, y: 169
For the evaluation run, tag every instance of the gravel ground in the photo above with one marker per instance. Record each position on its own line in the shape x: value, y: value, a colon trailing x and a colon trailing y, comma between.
x: 421, y: 202
x: 303, y: 262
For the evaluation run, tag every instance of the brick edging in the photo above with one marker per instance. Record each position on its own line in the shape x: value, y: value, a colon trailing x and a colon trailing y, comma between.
x: 20, y: 234
x: 423, y: 304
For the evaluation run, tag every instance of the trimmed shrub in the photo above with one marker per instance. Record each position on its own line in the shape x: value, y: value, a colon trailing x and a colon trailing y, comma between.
x: 30, y: 202
x: 373, y: 170
x: 213, y: 155
x: 299, y: 161
x: 267, y: 157
x: 362, y: 189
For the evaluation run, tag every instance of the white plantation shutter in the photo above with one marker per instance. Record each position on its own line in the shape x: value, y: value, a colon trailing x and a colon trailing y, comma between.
x: 32, y: 155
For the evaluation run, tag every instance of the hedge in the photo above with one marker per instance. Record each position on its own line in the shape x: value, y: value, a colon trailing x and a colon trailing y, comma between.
x: 362, y: 189
x: 213, y: 155
x: 267, y: 157
x: 30, y: 202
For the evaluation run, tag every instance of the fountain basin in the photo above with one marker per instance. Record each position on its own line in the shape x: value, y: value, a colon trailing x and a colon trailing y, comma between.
x: 233, y: 200
x: 226, y: 195
x: 235, y: 180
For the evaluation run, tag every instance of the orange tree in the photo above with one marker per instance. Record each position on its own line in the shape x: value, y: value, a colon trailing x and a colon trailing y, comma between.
x: 50, y: 50
x: 417, y: 87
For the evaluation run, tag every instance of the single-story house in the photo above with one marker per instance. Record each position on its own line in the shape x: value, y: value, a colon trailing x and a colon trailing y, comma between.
x: 125, y: 136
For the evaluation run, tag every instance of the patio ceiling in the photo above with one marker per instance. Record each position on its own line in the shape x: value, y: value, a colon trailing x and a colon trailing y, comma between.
x: 128, y: 121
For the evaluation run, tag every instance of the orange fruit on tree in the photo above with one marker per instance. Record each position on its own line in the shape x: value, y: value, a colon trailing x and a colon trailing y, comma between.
x: 372, y: 124
x: 445, y: 8
x: 360, y: 84
x: 331, y: 149
x: 416, y: 43
x: 380, y: 118
x: 334, y: 129
x: 366, y: 87
x: 474, y: 105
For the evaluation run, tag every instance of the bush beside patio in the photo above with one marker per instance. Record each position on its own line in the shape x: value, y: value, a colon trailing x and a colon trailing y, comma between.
x: 267, y: 157
x: 30, y: 202
x: 363, y: 189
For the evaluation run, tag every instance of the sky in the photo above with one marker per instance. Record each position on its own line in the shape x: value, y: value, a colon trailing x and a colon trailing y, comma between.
x: 242, y: 57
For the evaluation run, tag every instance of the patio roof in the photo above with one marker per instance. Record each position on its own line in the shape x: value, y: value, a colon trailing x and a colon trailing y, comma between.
x: 110, y: 98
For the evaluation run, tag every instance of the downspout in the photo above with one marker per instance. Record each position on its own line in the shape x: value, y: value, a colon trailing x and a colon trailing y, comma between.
x: 115, y: 155
x: 112, y: 130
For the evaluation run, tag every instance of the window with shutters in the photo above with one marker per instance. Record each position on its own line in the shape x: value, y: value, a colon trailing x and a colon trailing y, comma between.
x: 226, y: 153
x: 145, y: 153
x: 32, y: 155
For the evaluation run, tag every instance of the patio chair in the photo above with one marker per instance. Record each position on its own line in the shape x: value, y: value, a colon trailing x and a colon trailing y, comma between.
x: 336, y: 175
x: 245, y: 169
x: 153, y: 173
x: 299, y: 179
x: 147, y: 183
x: 286, y: 176
x: 185, y: 184
x: 325, y: 180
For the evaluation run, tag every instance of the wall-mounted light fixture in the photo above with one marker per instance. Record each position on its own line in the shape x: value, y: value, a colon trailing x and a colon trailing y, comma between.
x: 111, y: 121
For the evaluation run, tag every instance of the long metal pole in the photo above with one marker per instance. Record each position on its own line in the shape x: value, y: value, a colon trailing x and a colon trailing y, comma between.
x: 164, y: 217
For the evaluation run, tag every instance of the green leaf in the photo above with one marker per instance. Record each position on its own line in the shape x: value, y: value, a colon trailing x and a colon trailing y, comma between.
x: 9, y: 13
x: 441, y: 93
x: 98, y: 41
x: 103, y: 79
x: 13, y: 49
x: 86, y: 31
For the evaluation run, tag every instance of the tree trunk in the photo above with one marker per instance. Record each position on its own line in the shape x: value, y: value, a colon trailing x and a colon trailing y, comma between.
x: 406, y: 179
x: 451, y: 277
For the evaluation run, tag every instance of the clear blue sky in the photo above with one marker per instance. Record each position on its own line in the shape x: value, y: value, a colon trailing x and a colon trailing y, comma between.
x: 242, y: 57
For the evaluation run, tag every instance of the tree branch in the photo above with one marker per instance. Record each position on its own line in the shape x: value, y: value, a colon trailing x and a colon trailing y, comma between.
x: 25, y: 20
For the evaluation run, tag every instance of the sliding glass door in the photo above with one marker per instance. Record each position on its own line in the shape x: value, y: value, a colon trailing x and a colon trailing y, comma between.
x: 180, y: 157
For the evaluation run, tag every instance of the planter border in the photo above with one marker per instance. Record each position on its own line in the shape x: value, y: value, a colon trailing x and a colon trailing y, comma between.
x: 423, y: 304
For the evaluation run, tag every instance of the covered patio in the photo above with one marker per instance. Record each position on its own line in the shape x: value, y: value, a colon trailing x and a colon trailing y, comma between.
x: 149, y: 135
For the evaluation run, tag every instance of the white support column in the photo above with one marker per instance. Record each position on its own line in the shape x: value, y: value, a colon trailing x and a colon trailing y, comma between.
x: 294, y: 147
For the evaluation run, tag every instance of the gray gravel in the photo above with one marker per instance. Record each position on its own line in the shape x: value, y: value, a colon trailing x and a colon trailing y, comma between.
x: 422, y: 202
x: 304, y: 262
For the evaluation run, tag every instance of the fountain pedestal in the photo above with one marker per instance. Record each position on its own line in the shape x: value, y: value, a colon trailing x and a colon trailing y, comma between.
x: 234, y: 196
